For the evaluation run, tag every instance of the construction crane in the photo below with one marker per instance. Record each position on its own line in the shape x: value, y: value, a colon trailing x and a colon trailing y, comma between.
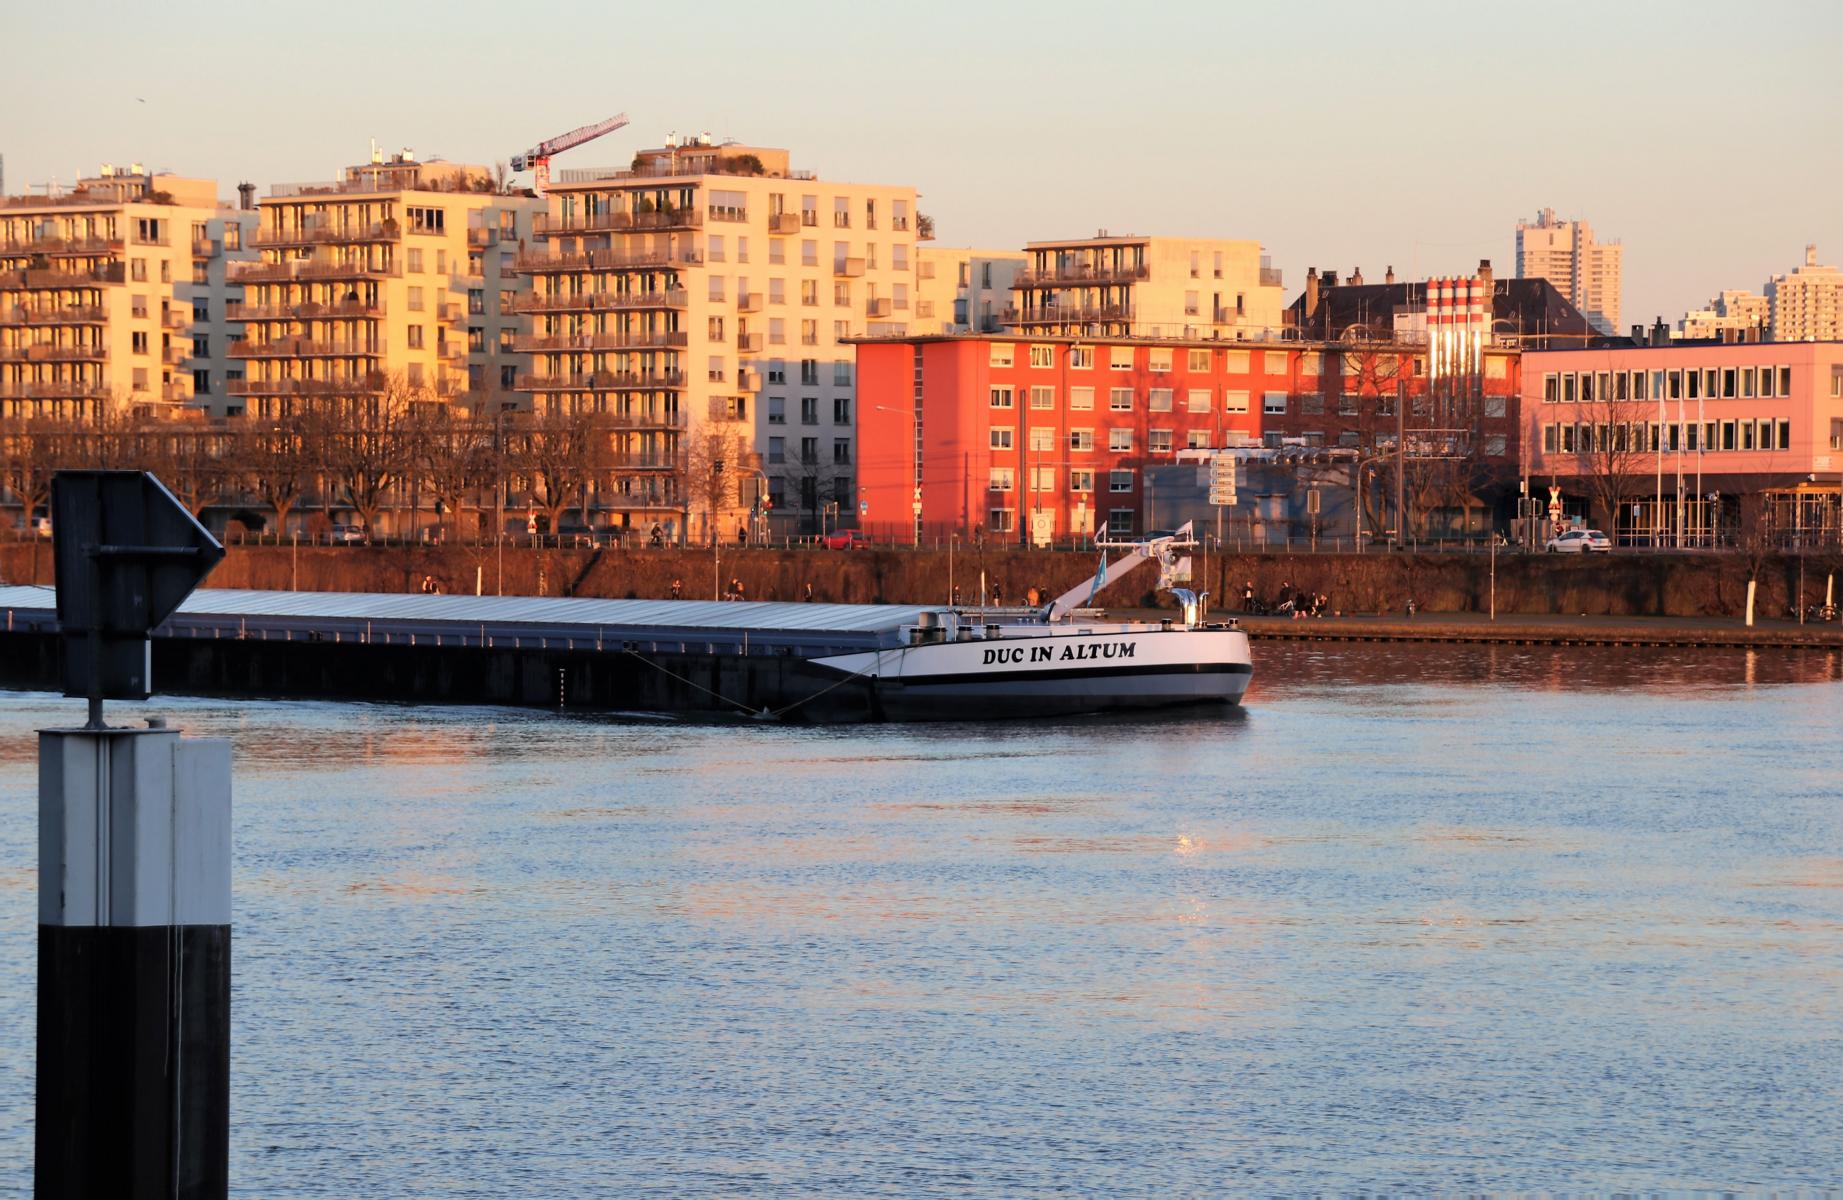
x: 537, y: 159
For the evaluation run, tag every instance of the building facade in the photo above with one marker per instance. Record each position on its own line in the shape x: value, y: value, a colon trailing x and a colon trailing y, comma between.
x: 395, y: 279
x: 1038, y: 439
x: 95, y: 307
x: 1147, y: 287
x: 1586, y: 272
x: 962, y: 290
x: 1689, y: 444
x: 703, y: 298
x: 217, y: 304
x: 1807, y: 304
x: 1732, y: 316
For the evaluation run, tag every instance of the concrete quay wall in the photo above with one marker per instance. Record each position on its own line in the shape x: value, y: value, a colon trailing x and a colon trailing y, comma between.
x: 1619, y: 584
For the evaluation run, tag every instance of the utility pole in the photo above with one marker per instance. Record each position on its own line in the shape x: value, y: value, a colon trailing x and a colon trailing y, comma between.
x: 1401, y: 464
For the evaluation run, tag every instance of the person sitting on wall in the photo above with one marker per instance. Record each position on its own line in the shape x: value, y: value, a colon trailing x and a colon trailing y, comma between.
x: 1247, y: 597
x: 677, y: 585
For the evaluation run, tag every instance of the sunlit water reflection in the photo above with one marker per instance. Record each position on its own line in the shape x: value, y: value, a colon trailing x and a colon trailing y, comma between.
x: 1462, y: 918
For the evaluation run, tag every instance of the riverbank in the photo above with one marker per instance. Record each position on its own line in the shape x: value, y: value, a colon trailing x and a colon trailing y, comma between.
x: 1703, y: 585
x: 1527, y: 630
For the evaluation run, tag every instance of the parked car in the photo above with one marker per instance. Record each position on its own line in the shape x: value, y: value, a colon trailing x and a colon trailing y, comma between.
x: 349, y: 535
x: 846, y: 539
x: 1579, y: 541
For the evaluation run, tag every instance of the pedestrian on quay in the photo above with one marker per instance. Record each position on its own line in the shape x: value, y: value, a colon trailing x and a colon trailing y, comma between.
x: 997, y: 600
x: 742, y: 535
x: 736, y: 587
x: 809, y: 593
x: 677, y: 584
x: 956, y: 595
x: 1247, y: 597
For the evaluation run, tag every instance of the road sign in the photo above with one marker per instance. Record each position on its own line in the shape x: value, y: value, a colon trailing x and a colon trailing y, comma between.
x: 126, y: 555
x: 1222, y: 479
x: 863, y: 507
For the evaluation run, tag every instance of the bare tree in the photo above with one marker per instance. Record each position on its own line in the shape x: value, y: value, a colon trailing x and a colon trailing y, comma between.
x: 559, y: 452
x: 29, y: 455
x: 187, y: 457
x: 715, y: 462
x: 280, y: 460
x: 367, y: 446
x: 454, y: 455
x: 1610, y: 451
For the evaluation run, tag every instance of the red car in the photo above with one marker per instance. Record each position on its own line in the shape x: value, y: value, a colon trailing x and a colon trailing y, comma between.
x: 846, y: 539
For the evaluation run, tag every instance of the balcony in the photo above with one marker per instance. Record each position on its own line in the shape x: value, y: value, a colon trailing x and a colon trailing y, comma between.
x: 204, y: 248
x: 358, y: 385
x: 748, y: 379
x: 289, y: 272
x: 1272, y: 277
x: 175, y: 356
x: 1067, y: 314
x: 555, y: 224
x: 648, y: 462
x: 174, y: 318
x: 1087, y: 273
x: 748, y: 343
x: 76, y: 314
x: 602, y: 381
x: 784, y: 223
x: 598, y: 301
x: 68, y: 389
x: 376, y: 231
x: 55, y: 247
x: 877, y: 307
x: 45, y: 278
x: 749, y: 302
x: 479, y: 237
x: 607, y: 260
x: 305, y: 311
x: 660, y: 339
x: 302, y: 347
x: 734, y: 216
x: 49, y: 352
x: 848, y: 268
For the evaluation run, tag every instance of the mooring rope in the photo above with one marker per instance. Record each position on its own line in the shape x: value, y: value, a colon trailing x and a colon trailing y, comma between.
x: 763, y: 714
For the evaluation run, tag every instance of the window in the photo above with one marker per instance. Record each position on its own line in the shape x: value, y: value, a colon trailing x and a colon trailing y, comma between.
x: 716, y: 287
x: 1002, y: 353
x: 1042, y: 398
x: 1196, y: 439
x: 1001, y: 397
x: 715, y: 369
x: 777, y: 449
x: 1042, y: 437
x: 1727, y: 383
x: 1235, y: 362
x: 809, y: 334
x: 137, y: 270
x: 777, y: 410
x: 1120, y: 480
x: 1002, y: 520
x: 1158, y: 441
x: 138, y: 341
x: 426, y: 220
x: 1158, y: 360
x: 841, y: 410
x: 1273, y: 403
x: 1198, y: 360
x: 809, y: 253
x: 777, y: 251
x: 714, y: 248
x: 1081, y: 440
x: 1081, y: 357
x: 841, y: 212
x: 841, y: 452
x: 809, y: 451
x: 1496, y: 406
x: 1747, y: 383
x: 1120, y: 522
x: 414, y: 336
x: 1312, y: 404
x: 1235, y: 402
x: 1121, y: 358
x: 1081, y: 399
x: 1081, y: 479
x: 1001, y: 439
x: 1001, y: 479
x: 1120, y: 400
x: 777, y: 372
x: 1120, y: 440
x: 841, y: 374
x: 1785, y: 380
x: 1347, y: 403
x: 809, y: 410
x: 777, y: 331
x: 841, y: 330
x: 1043, y: 356
x: 841, y: 294
x: 1197, y: 400
x: 1551, y: 388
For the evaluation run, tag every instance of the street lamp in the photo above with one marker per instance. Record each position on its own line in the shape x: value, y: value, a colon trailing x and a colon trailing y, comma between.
x: 915, y: 507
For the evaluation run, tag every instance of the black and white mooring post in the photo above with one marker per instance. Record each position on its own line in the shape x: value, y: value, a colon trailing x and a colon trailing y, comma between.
x: 134, y: 873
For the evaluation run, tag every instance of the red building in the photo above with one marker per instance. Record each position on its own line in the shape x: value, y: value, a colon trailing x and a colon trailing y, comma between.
x: 1044, y: 437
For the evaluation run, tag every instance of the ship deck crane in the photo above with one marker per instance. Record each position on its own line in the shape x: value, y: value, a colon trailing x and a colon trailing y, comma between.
x: 537, y: 159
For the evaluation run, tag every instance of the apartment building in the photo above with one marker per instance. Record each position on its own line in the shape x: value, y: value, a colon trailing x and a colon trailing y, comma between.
x: 1807, y: 304
x: 397, y: 276
x: 1586, y: 272
x: 702, y: 299
x: 1146, y: 287
x: 962, y: 290
x: 1038, y: 438
x: 216, y: 303
x: 1698, y: 442
x: 1733, y: 316
x: 95, y: 311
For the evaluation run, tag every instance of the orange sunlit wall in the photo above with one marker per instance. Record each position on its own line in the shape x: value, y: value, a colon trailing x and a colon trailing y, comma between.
x: 1015, y: 429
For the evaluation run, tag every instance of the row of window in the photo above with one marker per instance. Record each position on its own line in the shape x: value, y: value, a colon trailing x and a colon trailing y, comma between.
x: 1119, y: 440
x: 1123, y: 399
x: 1043, y: 479
x: 1120, y: 521
x: 1642, y: 437
x: 1705, y: 383
x: 717, y: 249
x: 1122, y: 358
x: 809, y: 451
x: 809, y: 410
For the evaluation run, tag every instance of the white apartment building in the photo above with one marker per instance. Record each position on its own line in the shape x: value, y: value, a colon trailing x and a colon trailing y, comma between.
x: 700, y: 299
x: 963, y: 290
x: 1807, y: 304
x: 1586, y: 272
x: 1734, y: 315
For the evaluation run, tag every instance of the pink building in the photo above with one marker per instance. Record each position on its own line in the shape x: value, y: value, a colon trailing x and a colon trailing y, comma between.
x: 1691, y: 444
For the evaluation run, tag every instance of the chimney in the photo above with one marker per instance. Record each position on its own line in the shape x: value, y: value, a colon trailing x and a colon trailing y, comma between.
x: 1660, y: 332
x: 1311, y: 292
x: 1329, y: 279
x: 246, y: 196
x: 1811, y: 254
x: 1356, y: 277
x: 1484, y: 275
x: 1389, y: 277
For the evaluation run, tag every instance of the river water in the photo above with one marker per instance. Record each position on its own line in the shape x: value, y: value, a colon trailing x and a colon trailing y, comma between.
x: 1419, y: 918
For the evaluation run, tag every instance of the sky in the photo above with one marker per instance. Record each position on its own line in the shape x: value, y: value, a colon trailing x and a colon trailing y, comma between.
x: 1412, y: 133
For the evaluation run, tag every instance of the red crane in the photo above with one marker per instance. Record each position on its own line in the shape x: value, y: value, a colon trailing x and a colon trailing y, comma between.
x: 537, y: 159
